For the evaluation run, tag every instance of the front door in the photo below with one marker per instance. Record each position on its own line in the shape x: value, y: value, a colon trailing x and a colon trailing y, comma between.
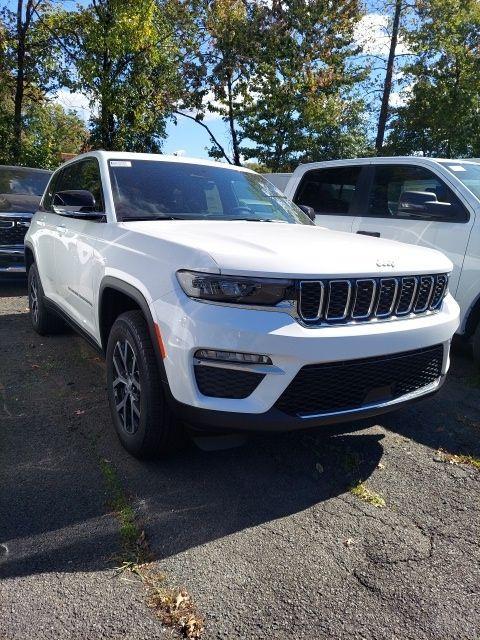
x: 385, y: 217
x: 75, y: 247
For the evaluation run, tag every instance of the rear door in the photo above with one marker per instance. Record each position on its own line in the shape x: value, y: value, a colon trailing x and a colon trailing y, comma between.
x: 384, y: 218
x: 333, y: 193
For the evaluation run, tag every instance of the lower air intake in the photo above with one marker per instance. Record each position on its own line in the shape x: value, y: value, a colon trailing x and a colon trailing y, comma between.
x: 342, y: 386
x: 219, y: 382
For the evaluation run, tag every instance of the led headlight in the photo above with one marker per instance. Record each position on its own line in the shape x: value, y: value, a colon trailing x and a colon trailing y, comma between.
x: 236, y: 290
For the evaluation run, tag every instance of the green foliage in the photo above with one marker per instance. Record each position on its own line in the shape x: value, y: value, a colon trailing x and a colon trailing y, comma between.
x: 122, y: 55
x: 28, y: 67
x: 299, y: 105
x: 442, y: 116
x: 49, y: 132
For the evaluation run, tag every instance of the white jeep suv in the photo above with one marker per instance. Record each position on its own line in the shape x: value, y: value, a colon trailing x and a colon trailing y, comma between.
x: 219, y: 304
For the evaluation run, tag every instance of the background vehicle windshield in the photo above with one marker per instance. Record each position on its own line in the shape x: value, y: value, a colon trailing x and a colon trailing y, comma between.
x: 150, y: 189
x: 21, y: 188
x: 468, y: 173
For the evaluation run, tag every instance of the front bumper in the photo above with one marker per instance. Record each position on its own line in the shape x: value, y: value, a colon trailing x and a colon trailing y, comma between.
x: 187, y: 325
x: 12, y: 260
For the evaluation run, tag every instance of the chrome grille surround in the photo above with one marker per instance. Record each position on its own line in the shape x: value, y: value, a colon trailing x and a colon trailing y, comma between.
x: 307, y: 289
x: 366, y: 299
x: 336, y: 297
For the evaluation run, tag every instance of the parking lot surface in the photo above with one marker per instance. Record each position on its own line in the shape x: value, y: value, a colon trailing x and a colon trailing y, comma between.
x: 370, y: 534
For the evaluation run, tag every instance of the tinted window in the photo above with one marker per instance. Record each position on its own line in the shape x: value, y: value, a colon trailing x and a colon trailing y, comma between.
x: 84, y: 175
x: 329, y: 191
x: 154, y: 189
x: 21, y: 188
x: 391, y: 181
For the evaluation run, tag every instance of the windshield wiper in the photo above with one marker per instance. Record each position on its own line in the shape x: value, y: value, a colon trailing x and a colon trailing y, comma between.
x: 151, y: 217
x: 261, y: 220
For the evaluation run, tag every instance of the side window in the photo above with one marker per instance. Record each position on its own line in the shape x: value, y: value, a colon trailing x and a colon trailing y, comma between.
x: 84, y: 175
x: 402, y: 191
x: 329, y: 191
x: 48, y: 197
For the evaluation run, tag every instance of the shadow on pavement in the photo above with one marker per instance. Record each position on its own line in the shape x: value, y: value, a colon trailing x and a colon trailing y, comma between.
x: 54, y: 427
x: 52, y: 495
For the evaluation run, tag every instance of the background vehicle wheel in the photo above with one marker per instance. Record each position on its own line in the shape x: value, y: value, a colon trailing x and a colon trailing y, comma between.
x: 143, y: 420
x: 43, y: 320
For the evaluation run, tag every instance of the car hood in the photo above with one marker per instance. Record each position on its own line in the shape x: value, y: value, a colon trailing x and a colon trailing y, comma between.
x: 288, y: 250
x: 18, y: 203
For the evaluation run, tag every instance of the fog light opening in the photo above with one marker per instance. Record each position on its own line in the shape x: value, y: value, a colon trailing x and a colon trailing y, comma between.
x: 232, y: 356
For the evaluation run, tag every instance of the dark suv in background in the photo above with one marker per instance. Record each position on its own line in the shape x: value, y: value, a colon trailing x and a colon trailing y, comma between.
x: 20, y: 191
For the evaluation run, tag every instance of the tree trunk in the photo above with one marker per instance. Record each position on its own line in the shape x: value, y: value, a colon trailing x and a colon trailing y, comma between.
x: 387, y: 87
x: 19, y: 87
x: 231, y: 122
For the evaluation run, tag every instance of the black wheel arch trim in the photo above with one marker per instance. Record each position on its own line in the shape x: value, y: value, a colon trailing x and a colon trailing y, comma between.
x: 111, y: 282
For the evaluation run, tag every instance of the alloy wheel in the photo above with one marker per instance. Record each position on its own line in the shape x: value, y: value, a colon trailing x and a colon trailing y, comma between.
x: 34, y: 299
x: 126, y: 386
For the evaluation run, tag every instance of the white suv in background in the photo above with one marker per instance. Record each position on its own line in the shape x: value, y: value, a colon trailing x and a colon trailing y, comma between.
x: 427, y: 201
x: 219, y: 304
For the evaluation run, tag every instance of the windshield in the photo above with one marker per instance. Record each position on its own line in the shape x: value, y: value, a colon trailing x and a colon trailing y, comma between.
x: 152, y: 189
x: 21, y: 188
x: 468, y: 173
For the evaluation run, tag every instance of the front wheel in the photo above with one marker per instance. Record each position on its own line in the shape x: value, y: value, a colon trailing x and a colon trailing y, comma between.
x: 143, y: 420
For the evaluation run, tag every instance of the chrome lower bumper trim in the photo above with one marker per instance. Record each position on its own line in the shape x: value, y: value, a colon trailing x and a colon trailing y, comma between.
x: 429, y: 388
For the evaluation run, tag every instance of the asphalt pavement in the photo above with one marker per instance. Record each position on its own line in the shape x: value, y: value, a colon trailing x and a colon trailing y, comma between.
x: 368, y: 534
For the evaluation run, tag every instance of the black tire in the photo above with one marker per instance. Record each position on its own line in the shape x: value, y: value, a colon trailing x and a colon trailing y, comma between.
x: 476, y: 346
x: 143, y: 420
x: 43, y: 320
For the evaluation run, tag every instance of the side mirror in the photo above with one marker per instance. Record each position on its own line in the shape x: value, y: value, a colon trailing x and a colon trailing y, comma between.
x: 416, y: 201
x: 426, y: 202
x: 76, y: 203
x: 310, y: 211
x: 78, y: 199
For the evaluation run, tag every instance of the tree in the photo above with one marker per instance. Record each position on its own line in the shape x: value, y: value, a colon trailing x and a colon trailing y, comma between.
x: 123, y: 56
x: 387, y: 86
x: 442, y: 116
x: 217, y: 74
x: 299, y: 103
x: 28, y: 63
x: 51, y: 131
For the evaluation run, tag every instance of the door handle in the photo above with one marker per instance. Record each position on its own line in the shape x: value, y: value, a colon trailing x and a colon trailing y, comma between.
x: 374, y: 234
x: 61, y: 228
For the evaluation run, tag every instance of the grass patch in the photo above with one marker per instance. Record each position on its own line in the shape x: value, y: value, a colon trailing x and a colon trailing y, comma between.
x: 172, y: 605
x: 452, y: 458
x: 362, y: 492
x: 135, y: 550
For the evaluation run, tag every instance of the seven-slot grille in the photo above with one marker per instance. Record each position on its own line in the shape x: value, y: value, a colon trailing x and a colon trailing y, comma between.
x: 368, y: 298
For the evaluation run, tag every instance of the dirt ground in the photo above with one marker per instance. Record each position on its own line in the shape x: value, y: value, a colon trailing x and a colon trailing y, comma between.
x: 370, y: 534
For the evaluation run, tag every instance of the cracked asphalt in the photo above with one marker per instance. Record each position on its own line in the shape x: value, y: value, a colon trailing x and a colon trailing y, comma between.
x: 267, y: 538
